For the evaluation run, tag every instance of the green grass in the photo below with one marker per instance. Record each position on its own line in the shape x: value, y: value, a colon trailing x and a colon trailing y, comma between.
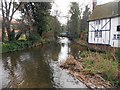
x: 101, y: 63
x: 118, y: 55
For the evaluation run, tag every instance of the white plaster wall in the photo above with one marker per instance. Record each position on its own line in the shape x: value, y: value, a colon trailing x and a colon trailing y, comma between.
x: 114, y: 22
x: 105, y: 34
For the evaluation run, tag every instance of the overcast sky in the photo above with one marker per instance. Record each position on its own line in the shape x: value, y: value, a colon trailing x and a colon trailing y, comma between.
x: 64, y: 5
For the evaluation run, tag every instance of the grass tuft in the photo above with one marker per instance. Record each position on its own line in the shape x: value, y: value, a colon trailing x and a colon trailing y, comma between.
x: 101, y: 63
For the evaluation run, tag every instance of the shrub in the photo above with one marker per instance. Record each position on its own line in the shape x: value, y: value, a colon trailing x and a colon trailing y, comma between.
x: 16, y: 45
x: 34, y: 38
x: 84, y: 54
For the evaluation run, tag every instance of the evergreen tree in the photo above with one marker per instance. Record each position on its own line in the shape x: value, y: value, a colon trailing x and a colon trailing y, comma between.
x: 84, y: 24
x: 36, y: 15
x: 73, y: 23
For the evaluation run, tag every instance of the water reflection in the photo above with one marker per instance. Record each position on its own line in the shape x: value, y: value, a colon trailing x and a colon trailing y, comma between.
x: 11, y: 73
x: 26, y: 72
x: 61, y: 77
x: 65, y: 50
x: 38, y: 67
x: 0, y: 71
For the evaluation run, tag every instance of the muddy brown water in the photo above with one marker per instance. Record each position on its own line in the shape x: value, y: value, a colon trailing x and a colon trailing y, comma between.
x: 39, y: 67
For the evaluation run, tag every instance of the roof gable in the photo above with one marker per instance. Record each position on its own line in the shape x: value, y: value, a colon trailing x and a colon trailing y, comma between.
x: 107, y: 10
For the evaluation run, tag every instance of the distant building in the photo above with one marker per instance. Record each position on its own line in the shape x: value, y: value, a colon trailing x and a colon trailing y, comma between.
x: 104, y: 24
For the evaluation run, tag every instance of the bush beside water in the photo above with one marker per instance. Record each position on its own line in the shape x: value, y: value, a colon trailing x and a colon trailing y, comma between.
x: 16, y: 45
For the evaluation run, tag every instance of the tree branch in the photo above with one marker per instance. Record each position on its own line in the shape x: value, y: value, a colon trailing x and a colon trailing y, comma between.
x: 5, y: 4
x: 14, y: 11
x: 9, y: 7
x: 6, y: 10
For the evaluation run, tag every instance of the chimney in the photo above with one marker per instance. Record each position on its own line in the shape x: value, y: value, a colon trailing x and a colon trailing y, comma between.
x: 94, y: 4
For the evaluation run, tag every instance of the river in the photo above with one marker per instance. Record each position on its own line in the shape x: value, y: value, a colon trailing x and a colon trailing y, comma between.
x: 39, y: 67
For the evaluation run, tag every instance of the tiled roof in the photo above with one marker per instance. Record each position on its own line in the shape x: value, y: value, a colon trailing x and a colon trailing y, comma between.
x: 107, y: 10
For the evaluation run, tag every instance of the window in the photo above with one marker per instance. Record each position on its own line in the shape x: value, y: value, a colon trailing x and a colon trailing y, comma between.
x: 118, y: 28
x: 98, y: 34
x: 118, y: 36
x: 114, y: 36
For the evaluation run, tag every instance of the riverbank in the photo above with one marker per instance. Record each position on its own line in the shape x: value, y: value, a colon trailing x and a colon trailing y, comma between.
x: 95, y: 69
x: 105, y: 64
x: 89, y: 71
x: 43, y: 62
x: 81, y: 42
x: 21, y: 45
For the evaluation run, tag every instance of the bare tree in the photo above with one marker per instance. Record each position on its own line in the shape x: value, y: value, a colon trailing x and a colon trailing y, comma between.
x: 8, y: 10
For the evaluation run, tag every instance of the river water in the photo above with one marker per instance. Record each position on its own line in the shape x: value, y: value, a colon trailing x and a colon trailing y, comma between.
x: 39, y: 67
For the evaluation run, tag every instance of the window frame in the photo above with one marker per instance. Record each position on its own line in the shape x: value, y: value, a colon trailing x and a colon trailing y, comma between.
x: 98, y: 33
x: 118, y: 27
x: 114, y: 36
x: 118, y: 36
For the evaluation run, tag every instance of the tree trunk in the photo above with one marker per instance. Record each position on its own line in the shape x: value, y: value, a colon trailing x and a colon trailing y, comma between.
x: 7, y: 17
x: 3, y: 30
x: 8, y: 30
x: 3, y: 23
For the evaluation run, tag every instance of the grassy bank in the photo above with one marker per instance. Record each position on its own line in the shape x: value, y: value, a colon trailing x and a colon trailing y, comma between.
x: 81, y: 42
x: 95, y: 70
x: 20, y: 45
x: 23, y: 43
x: 103, y: 64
